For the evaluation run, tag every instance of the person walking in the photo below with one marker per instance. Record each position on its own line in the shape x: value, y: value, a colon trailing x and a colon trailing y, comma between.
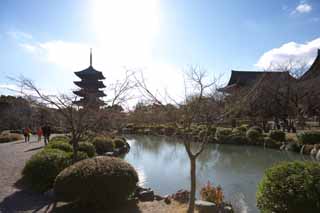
x: 46, y: 130
x: 26, y: 134
x: 39, y: 133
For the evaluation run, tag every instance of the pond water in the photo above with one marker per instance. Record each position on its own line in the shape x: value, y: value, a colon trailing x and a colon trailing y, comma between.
x: 163, y: 165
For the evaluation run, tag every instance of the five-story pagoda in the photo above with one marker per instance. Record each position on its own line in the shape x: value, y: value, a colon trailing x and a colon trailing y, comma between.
x: 90, y: 84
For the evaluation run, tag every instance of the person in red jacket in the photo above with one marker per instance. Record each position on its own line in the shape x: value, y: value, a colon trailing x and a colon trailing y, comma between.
x: 39, y: 133
x: 27, y: 133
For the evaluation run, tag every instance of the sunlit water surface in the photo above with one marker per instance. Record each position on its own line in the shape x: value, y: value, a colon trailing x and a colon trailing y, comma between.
x: 163, y: 165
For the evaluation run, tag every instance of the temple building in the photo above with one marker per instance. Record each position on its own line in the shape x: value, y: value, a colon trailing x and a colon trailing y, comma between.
x: 240, y: 80
x: 90, y: 85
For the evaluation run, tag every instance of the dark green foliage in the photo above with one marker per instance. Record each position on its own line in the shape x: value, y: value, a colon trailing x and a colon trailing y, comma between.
x: 312, y: 137
x: 258, y: 128
x: 99, y: 182
x: 43, y: 167
x: 87, y: 148
x: 223, y: 134
x: 60, y: 138
x: 270, y: 143
x: 80, y: 156
x: 237, y: 139
x: 61, y: 145
x: 278, y: 135
x: 103, y: 144
x: 290, y: 187
x: 8, y: 137
x: 254, y: 135
x: 119, y: 142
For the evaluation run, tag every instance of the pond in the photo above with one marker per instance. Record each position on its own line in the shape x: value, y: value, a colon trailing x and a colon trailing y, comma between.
x: 163, y: 165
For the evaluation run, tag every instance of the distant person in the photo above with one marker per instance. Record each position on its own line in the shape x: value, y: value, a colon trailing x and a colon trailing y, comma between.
x: 46, y: 130
x: 39, y: 133
x: 27, y: 133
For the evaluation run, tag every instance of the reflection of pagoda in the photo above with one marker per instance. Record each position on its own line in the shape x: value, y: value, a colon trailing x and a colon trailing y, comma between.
x: 90, y: 84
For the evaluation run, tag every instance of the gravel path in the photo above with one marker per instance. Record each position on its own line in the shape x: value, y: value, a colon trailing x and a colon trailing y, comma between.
x: 13, y: 157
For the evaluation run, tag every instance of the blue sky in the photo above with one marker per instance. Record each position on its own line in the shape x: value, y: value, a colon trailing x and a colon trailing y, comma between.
x: 48, y: 40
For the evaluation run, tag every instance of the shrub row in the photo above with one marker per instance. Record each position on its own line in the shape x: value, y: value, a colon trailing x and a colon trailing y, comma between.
x: 8, y: 137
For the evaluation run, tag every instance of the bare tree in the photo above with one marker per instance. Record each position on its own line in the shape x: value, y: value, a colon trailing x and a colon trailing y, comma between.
x: 193, y: 110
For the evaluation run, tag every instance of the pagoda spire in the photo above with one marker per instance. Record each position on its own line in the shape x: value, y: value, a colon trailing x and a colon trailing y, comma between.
x: 90, y: 57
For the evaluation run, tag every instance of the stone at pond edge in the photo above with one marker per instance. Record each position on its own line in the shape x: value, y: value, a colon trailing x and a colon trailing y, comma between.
x: 167, y: 200
x: 206, y: 207
x: 146, y: 195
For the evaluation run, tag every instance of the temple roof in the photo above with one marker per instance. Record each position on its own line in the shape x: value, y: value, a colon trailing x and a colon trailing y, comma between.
x: 90, y: 73
x: 249, y: 78
x: 314, y: 70
x: 84, y: 93
x: 83, y: 101
x: 89, y: 84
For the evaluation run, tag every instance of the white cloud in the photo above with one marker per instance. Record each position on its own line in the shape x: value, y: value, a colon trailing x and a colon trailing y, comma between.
x: 19, y: 35
x: 303, y: 8
x: 292, y: 51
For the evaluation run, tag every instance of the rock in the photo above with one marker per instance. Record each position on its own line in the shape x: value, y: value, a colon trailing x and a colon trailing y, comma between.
x: 146, y: 195
x: 313, y: 152
x: 206, y: 207
x: 167, y: 200
x: 110, y: 154
x: 318, y: 155
x: 227, y: 209
x: 158, y: 197
x: 181, y: 196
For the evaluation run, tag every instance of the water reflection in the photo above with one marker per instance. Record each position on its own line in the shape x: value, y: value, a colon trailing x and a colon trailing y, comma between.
x: 163, y: 165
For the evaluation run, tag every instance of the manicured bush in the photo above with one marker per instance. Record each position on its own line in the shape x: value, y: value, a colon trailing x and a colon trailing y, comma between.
x: 98, y: 182
x: 43, y: 167
x: 119, y: 142
x: 278, y: 135
x: 63, y: 138
x: 270, y: 143
x: 103, y: 144
x: 88, y: 148
x: 254, y: 135
x: 258, y: 128
x: 237, y: 139
x: 223, y: 134
x: 290, y: 187
x: 80, y: 156
x: 61, y: 145
x: 8, y: 137
x: 312, y: 137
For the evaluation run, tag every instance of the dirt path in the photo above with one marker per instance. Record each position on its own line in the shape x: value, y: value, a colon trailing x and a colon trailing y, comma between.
x: 13, y: 157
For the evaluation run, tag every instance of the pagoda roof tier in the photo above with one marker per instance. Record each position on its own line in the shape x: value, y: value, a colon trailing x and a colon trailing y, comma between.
x: 89, y: 84
x: 84, y: 101
x: 90, y: 73
x: 84, y: 93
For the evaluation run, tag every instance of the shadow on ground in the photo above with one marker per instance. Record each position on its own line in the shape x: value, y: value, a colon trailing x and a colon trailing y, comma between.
x: 33, y: 149
x: 131, y: 207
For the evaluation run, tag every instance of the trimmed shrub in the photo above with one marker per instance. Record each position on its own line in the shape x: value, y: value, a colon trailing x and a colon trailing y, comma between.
x: 290, y: 187
x: 61, y: 145
x: 43, y: 167
x: 87, y: 148
x: 258, y: 128
x: 80, y: 156
x: 312, y: 137
x: 63, y: 138
x: 237, y: 139
x: 8, y: 137
x: 254, y: 135
x: 119, y: 142
x: 103, y: 144
x: 278, y: 135
x: 270, y: 143
x: 223, y: 134
x: 108, y: 182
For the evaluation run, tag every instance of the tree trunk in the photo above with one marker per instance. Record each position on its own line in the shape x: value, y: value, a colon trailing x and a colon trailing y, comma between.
x: 75, y: 150
x: 193, y: 184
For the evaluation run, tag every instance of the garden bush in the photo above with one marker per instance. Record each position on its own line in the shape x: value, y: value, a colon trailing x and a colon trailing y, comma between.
x: 63, y: 138
x: 278, y: 135
x: 223, y: 134
x: 108, y: 182
x: 119, y: 142
x: 43, y: 167
x: 61, y: 145
x: 270, y: 143
x: 8, y: 137
x: 290, y: 187
x: 254, y: 135
x: 312, y: 137
x: 258, y: 128
x: 80, y: 156
x: 87, y: 148
x: 103, y: 144
x: 237, y: 139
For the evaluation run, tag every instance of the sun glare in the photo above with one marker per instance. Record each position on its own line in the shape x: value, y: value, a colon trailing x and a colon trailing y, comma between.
x: 126, y: 28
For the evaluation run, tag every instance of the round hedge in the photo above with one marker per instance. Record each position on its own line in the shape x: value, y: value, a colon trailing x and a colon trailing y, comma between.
x: 278, y: 135
x: 290, y: 187
x: 119, y: 142
x: 88, y: 148
x: 223, y: 134
x: 98, y: 182
x: 312, y: 137
x: 103, y: 144
x: 254, y: 135
x: 43, y: 167
x: 63, y: 138
x: 61, y: 145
